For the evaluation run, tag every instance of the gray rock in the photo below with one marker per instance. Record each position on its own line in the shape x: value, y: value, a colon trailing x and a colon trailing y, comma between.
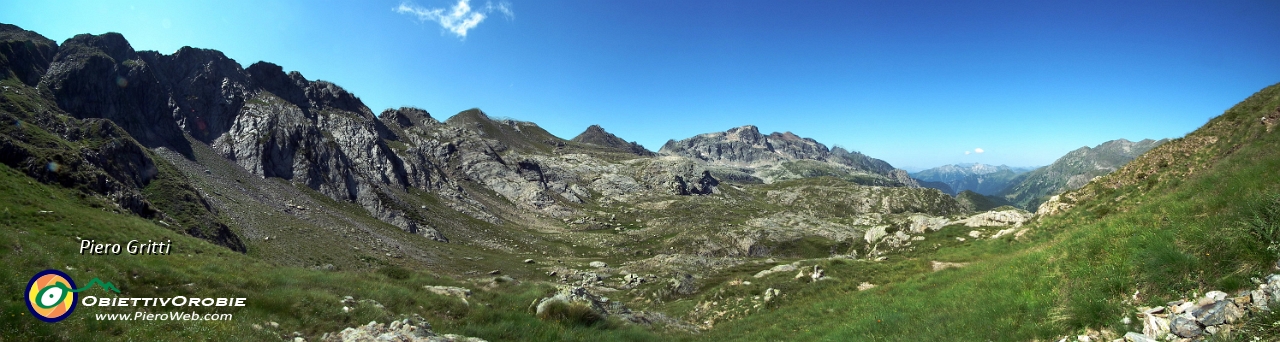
x: 413, y: 329
x: 776, y: 269
x: 452, y: 291
x: 1260, y: 300
x: 601, y: 305
x: 1217, y: 313
x: 1185, y: 326
x: 1136, y: 337
x: 771, y: 293
x: 683, y: 284
x: 1154, y: 326
x: 1216, y: 295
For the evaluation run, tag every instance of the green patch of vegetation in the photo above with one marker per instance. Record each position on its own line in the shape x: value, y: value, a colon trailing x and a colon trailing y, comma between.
x: 800, y: 169
x: 574, y: 313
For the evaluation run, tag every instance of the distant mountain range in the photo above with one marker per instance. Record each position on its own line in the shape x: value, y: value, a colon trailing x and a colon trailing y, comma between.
x: 980, y: 178
x: 1028, y: 187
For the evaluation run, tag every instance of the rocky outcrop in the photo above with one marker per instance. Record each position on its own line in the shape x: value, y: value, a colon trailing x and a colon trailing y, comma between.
x: 413, y: 329
x: 1213, y: 314
x: 1013, y: 218
x: 602, y: 306
x: 596, y: 135
x: 1055, y: 205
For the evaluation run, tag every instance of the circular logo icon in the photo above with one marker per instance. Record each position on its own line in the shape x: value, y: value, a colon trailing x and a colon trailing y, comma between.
x: 49, y: 296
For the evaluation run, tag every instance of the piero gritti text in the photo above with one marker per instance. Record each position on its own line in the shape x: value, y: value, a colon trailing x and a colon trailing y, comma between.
x: 133, y: 247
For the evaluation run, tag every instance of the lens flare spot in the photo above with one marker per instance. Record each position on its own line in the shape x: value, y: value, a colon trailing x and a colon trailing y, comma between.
x: 52, y: 167
x: 122, y: 82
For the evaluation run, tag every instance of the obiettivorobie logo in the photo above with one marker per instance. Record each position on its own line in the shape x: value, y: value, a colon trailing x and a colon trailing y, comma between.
x: 52, y: 295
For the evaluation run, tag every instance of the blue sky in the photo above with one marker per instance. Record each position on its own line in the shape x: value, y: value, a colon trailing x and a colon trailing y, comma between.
x: 916, y: 83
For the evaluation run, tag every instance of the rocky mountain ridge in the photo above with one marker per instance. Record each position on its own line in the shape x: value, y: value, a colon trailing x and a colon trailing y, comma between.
x: 196, y: 112
x: 780, y: 156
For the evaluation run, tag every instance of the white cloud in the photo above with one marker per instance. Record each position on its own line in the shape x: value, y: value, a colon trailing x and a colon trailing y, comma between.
x: 966, y: 153
x: 502, y: 7
x: 460, y: 18
x: 978, y: 150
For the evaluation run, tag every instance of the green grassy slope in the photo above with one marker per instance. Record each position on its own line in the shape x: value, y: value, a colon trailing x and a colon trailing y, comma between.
x: 1185, y: 233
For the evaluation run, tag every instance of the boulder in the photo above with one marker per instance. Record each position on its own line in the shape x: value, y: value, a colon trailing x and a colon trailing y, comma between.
x: 1260, y: 299
x: 771, y: 293
x: 1185, y: 326
x: 776, y: 269
x: 451, y: 291
x: 1154, y: 326
x: 875, y: 234
x: 683, y: 284
x: 1217, y: 313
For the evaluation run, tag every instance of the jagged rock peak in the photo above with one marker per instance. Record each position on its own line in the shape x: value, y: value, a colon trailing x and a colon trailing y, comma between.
x: 112, y: 44
x: 596, y: 135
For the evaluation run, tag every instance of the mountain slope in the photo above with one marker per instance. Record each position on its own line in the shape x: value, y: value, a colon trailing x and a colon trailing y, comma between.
x: 1073, y: 170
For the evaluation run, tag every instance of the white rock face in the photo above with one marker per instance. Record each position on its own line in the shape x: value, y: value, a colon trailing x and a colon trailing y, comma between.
x: 1003, y: 232
x: 920, y: 223
x: 997, y: 218
x: 1052, y: 207
x: 776, y: 269
x: 875, y: 234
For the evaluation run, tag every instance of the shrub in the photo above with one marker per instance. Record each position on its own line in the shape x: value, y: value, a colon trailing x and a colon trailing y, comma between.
x: 1263, y: 221
x: 576, y: 313
x: 395, y: 272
